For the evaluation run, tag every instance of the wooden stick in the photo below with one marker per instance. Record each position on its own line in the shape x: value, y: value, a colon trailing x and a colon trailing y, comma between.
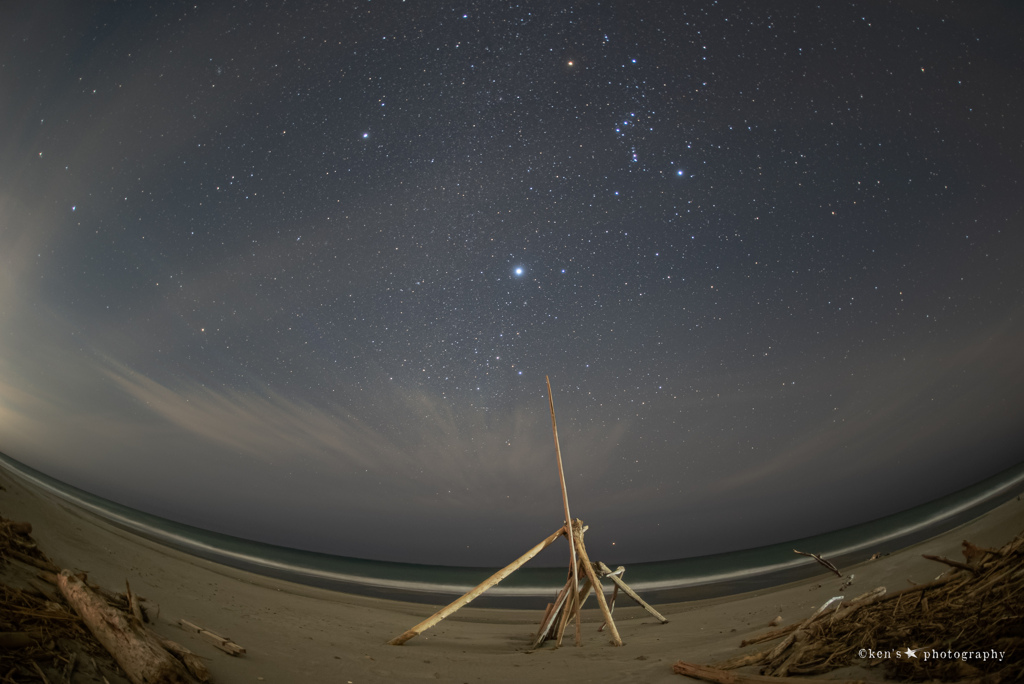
x: 852, y: 607
x: 581, y: 598
x: 573, y: 565
x: 910, y: 590
x: 35, y: 562
x: 615, y: 592
x: 551, y: 617
x: 821, y: 560
x: 223, y: 643
x: 568, y: 611
x: 48, y: 577
x: 847, y: 607
x: 953, y: 563
x: 798, y: 634
x: 581, y: 551
x: 475, y: 592
x: 189, y: 659
x: 768, y: 636
x: 44, y: 589
x: 141, y: 657
x: 711, y: 674
x: 39, y: 671
x: 544, y: 620
x: 742, y: 660
x: 133, y: 603
x: 585, y: 592
x: 621, y: 584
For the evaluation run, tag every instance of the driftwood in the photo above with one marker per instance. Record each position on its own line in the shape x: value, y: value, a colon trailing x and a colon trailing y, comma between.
x: 797, y: 635
x: 975, y: 606
x: 476, y: 591
x: 842, y: 611
x: 619, y: 571
x: 135, y: 648
x: 742, y: 660
x: 574, y: 567
x: 38, y: 619
x: 223, y: 643
x: 570, y: 599
x: 583, y: 594
x: 133, y: 603
x: 975, y: 554
x: 581, y: 552
x: 190, y: 660
x: 39, y: 671
x: 34, y: 562
x: 48, y: 577
x: 569, y: 608
x: 947, y: 561
x: 572, y: 605
x: 821, y: 560
x: 621, y: 584
x: 768, y: 636
x: 547, y: 625
x: 44, y: 590
x: 18, y: 527
x: 557, y: 614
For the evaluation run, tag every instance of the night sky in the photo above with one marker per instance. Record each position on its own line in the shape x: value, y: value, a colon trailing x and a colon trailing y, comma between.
x: 296, y: 271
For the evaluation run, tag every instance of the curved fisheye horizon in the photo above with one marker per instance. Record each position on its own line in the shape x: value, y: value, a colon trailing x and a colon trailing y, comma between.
x: 297, y: 274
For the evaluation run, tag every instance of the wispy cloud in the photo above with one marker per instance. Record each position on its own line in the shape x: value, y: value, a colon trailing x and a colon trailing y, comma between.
x: 952, y: 395
x: 467, y: 456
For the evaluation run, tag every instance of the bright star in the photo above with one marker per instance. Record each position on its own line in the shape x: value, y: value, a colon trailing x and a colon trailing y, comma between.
x: 519, y: 270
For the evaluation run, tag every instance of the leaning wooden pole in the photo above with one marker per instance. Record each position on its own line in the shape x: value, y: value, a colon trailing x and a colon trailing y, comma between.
x: 549, y: 623
x: 573, y: 567
x: 577, y: 535
x: 621, y: 584
x: 479, y: 589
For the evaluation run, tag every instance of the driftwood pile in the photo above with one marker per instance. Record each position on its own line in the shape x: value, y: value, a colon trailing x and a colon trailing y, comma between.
x: 559, y: 614
x: 59, y: 619
x: 967, y: 625
x: 569, y: 601
x: 35, y: 628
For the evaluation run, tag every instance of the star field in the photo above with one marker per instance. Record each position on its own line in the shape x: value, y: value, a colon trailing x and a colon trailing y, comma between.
x: 313, y: 261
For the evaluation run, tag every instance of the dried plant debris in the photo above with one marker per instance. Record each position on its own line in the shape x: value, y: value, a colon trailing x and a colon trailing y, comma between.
x: 41, y: 639
x: 54, y: 623
x: 966, y: 625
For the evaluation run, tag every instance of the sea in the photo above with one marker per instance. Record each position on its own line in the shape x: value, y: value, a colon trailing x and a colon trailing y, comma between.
x: 684, y: 579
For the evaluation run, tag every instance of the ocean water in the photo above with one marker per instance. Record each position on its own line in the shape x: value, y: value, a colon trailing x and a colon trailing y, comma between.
x: 662, y: 581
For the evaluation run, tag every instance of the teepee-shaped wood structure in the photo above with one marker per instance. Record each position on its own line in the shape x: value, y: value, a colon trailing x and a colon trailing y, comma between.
x: 570, y: 600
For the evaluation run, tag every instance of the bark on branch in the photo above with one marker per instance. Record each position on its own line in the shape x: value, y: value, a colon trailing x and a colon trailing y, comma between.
x: 135, y: 649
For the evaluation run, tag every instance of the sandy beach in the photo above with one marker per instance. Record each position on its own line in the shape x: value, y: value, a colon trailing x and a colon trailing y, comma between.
x: 295, y: 633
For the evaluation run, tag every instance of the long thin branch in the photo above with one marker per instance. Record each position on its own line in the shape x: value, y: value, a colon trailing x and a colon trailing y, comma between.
x: 573, y: 563
x: 821, y: 560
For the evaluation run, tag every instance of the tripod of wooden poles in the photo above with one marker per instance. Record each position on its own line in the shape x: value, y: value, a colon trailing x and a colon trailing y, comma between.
x: 570, y: 600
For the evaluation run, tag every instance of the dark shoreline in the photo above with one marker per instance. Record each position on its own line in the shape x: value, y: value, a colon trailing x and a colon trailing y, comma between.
x: 532, y: 588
